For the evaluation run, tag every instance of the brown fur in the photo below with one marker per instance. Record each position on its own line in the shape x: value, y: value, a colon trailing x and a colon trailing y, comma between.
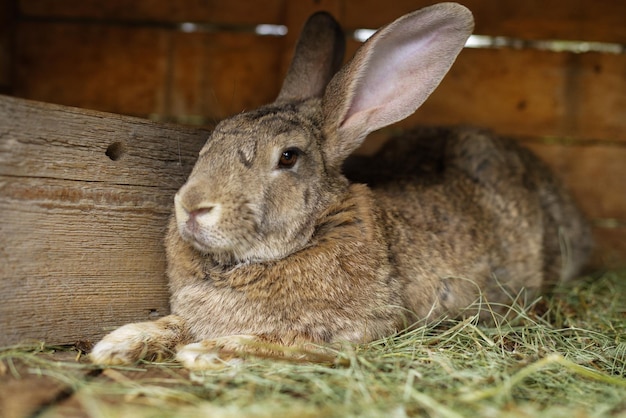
x: 437, y: 221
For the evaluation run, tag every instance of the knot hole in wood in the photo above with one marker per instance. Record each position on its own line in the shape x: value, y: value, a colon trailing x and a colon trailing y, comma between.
x: 116, y: 150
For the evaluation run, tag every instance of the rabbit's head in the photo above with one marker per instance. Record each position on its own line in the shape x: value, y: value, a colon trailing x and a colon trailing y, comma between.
x: 265, y: 177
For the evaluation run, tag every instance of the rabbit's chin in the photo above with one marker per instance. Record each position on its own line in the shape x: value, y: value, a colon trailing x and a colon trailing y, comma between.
x: 219, y: 245
x: 243, y: 253
x: 226, y: 255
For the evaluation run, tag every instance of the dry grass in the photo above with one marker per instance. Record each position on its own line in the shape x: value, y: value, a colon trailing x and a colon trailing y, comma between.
x: 566, y: 357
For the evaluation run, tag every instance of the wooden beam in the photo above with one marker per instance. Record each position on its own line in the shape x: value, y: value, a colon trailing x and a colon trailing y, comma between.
x: 581, y: 20
x: 212, y: 11
x: 84, y: 201
x: 7, y: 43
x: 531, y: 93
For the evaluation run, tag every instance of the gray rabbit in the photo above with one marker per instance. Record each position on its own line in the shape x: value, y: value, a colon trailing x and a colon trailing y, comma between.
x: 280, y: 239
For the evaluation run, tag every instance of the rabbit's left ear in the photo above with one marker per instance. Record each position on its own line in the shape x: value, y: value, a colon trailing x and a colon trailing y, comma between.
x: 392, y: 74
x: 318, y: 55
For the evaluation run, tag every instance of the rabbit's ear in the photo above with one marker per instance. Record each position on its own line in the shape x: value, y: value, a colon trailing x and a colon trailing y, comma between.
x: 318, y: 56
x: 392, y: 74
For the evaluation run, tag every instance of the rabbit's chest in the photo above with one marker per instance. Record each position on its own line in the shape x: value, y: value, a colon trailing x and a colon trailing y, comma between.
x: 214, y: 311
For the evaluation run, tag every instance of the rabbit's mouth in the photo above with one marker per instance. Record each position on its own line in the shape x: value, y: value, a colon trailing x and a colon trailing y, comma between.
x: 205, y: 229
x: 212, y: 238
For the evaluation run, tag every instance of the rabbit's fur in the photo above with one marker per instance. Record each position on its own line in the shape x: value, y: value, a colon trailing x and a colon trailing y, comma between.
x: 439, y: 222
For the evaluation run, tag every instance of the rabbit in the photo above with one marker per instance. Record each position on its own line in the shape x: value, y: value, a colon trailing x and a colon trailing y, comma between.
x: 281, y: 239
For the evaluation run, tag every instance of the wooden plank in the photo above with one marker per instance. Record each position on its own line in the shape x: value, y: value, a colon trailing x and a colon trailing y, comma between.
x: 217, y: 75
x: 109, y: 68
x: 7, y: 29
x: 212, y: 11
x: 532, y: 93
x: 585, y: 167
x: 601, y: 20
x: 610, y: 249
x: 80, y: 233
x: 209, y: 76
x: 147, y: 72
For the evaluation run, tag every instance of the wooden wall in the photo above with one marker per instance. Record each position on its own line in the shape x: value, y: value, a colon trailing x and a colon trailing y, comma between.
x: 84, y: 201
x: 132, y: 58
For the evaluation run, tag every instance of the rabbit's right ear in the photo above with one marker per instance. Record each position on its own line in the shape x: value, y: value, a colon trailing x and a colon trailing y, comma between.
x: 318, y: 56
x: 391, y: 75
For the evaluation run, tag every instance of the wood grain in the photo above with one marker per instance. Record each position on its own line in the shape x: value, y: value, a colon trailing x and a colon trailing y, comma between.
x: 147, y: 72
x: 102, y: 67
x: 202, y: 78
x: 218, y: 75
x: 584, y: 168
x: 532, y: 93
x: 212, y: 11
x: 600, y: 20
x: 7, y: 30
x: 81, y: 234
x: 610, y: 246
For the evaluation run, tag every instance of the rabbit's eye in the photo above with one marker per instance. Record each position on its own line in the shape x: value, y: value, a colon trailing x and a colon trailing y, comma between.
x: 288, y: 158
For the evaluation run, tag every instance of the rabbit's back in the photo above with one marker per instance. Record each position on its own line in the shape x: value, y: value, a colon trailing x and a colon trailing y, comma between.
x: 469, y: 215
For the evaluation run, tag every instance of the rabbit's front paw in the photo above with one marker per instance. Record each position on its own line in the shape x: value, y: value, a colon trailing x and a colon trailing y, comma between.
x: 214, y: 354
x: 129, y: 344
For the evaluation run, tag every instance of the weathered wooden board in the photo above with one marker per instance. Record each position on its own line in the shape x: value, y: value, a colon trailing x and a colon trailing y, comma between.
x: 6, y: 45
x: 211, y: 11
x: 152, y: 71
x: 532, y: 93
x: 148, y: 72
x: 586, y: 167
x: 600, y: 20
x: 611, y: 246
x: 84, y: 200
x: 217, y: 75
x: 204, y: 77
x: 102, y: 67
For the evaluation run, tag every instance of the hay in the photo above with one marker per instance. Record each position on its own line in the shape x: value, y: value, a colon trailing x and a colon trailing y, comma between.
x: 565, y: 357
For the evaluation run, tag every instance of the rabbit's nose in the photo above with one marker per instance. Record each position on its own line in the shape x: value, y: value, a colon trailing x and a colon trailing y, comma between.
x: 201, y: 212
x: 204, y: 214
